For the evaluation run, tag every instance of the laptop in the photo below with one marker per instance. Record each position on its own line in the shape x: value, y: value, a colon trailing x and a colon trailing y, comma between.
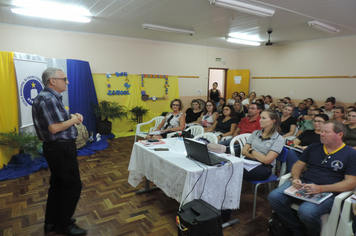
x: 199, y: 152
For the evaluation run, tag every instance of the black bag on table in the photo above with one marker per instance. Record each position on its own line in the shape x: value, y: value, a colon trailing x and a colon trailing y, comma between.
x: 276, y: 228
x: 199, y: 218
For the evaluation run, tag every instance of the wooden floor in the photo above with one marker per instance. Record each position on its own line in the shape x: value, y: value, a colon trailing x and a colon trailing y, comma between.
x: 108, y: 205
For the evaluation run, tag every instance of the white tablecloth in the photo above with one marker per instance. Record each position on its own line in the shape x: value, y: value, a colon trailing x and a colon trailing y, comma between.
x: 176, y: 175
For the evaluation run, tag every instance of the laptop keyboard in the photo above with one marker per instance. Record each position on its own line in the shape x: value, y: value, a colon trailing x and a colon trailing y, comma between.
x: 216, y: 159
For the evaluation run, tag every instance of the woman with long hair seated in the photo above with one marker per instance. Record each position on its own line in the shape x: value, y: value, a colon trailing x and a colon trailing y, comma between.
x: 306, y: 122
x: 193, y: 113
x: 231, y: 101
x: 174, y: 121
x: 239, y: 111
x: 251, y: 98
x: 269, y: 102
x: 305, y: 139
x: 225, y: 124
x: 264, y: 146
x: 222, y: 103
x: 288, y: 122
x: 209, y: 115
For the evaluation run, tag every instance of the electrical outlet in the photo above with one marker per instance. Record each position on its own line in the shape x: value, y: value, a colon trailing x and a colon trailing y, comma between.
x: 200, y: 90
x: 291, y: 93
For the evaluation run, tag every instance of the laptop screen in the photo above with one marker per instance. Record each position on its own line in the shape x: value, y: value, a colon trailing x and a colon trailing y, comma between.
x: 197, y: 151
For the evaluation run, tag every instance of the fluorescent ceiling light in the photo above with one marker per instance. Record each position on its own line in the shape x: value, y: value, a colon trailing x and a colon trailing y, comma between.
x: 51, y: 10
x: 243, y: 7
x: 167, y: 29
x: 323, y: 27
x: 240, y: 41
x: 245, y: 36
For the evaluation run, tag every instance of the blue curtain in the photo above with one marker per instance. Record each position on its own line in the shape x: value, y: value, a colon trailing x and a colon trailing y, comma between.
x: 81, y: 91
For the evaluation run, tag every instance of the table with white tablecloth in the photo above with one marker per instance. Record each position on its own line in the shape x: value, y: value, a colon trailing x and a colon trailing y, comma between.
x: 184, y: 179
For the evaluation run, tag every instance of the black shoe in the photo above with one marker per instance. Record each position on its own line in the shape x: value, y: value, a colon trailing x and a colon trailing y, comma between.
x: 72, y: 230
x: 49, y: 228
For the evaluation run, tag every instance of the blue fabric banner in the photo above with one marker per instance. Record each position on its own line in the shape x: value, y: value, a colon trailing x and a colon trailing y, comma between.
x: 81, y: 91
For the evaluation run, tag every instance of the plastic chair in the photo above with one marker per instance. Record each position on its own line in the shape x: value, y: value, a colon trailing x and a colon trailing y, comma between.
x: 329, y: 222
x: 141, y: 134
x: 242, y: 139
x: 292, y: 137
x: 209, y: 136
x: 282, y: 157
x: 345, y: 224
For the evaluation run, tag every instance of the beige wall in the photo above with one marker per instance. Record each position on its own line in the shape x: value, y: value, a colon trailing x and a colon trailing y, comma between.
x: 117, y: 54
x: 333, y: 57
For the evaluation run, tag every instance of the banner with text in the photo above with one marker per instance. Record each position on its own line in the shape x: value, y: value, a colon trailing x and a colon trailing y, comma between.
x: 29, y: 85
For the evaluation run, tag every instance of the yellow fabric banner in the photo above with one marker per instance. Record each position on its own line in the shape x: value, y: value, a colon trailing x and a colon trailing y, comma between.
x: 152, y: 86
x: 8, y: 101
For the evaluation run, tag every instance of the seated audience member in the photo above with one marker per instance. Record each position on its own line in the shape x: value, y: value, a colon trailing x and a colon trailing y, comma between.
x: 350, y: 108
x: 339, y: 114
x: 310, y: 102
x: 350, y: 138
x: 243, y: 95
x: 250, y: 99
x: 239, y: 99
x: 246, y: 125
x: 225, y: 124
x: 260, y: 101
x: 269, y: 102
x: 222, y: 103
x: 231, y: 101
x: 305, y: 139
x: 329, y: 107
x: 288, y: 122
x: 331, y: 168
x: 193, y: 113
x: 306, y: 122
x: 280, y: 107
x: 301, y: 110
x: 287, y: 100
x: 239, y: 111
x: 209, y: 115
x: 264, y: 146
x: 174, y: 121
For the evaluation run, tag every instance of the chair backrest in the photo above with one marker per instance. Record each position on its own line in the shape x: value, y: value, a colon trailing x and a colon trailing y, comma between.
x: 158, y: 121
x: 209, y: 136
x: 196, y: 130
x: 282, y: 157
x: 242, y: 139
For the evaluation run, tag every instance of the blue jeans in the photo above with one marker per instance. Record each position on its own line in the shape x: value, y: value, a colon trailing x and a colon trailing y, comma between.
x: 292, y: 157
x: 308, y: 218
x: 236, y: 147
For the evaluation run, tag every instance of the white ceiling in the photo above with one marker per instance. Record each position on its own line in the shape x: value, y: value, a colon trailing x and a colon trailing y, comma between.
x: 210, y: 23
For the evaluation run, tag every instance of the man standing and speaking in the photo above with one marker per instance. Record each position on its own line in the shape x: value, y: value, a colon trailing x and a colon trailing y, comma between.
x: 57, y: 131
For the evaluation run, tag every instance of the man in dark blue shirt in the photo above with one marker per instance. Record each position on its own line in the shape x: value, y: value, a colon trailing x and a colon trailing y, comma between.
x: 301, y: 110
x: 331, y: 167
x: 57, y: 131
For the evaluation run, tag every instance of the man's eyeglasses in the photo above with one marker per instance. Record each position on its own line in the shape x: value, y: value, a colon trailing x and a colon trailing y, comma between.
x: 64, y: 79
x: 325, y: 160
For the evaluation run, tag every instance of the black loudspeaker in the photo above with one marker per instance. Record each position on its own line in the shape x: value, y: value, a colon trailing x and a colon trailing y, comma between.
x: 199, y: 218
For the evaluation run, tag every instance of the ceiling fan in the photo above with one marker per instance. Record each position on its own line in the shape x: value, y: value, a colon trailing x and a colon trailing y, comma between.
x: 269, y: 43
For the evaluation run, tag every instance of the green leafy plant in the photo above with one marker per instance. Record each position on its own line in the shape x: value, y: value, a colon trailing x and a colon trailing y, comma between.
x: 138, y: 112
x: 112, y: 110
x: 25, y: 142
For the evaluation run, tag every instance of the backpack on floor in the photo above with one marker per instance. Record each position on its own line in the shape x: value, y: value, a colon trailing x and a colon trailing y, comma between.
x: 276, y: 228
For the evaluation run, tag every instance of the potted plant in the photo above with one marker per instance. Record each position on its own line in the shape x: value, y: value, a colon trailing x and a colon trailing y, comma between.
x: 138, y: 112
x: 26, y: 142
x: 105, y: 110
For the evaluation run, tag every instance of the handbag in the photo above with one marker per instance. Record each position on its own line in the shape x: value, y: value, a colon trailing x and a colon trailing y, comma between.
x: 217, y: 148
